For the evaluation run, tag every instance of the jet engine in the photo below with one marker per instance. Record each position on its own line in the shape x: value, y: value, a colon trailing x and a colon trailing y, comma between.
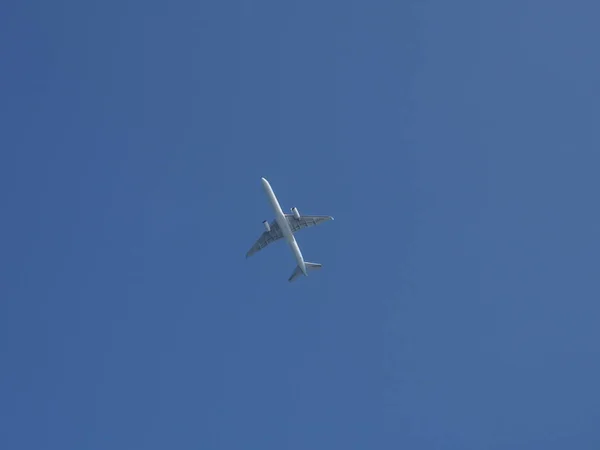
x: 267, y: 226
x: 295, y: 212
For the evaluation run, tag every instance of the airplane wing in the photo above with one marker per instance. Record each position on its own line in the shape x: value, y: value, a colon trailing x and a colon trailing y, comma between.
x: 305, y: 221
x: 266, y: 238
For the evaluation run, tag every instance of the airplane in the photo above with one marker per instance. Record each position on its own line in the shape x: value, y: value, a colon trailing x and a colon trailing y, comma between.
x: 284, y: 226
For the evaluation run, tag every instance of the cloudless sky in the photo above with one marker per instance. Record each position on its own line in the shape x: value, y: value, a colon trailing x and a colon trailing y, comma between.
x: 455, y: 143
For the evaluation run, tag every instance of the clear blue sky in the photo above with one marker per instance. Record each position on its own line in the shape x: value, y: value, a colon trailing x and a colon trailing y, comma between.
x: 455, y: 143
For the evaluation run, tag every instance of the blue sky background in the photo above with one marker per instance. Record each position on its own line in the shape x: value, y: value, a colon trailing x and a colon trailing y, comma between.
x: 455, y: 143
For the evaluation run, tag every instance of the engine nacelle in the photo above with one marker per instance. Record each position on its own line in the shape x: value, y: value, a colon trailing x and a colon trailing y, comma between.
x: 295, y: 212
x: 267, y: 226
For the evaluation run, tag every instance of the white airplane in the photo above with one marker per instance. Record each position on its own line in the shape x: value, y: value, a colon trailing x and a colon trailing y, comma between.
x: 284, y: 226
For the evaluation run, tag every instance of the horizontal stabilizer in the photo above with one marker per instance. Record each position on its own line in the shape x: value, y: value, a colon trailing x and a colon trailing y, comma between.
x: 298, y: 271
x: 313, y: 266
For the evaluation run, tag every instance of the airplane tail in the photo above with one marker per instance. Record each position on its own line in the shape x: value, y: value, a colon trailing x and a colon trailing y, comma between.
x: 298, y: 271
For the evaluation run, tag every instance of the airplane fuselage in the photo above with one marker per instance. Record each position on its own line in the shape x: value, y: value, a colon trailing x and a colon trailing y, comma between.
x: 284, y: 225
